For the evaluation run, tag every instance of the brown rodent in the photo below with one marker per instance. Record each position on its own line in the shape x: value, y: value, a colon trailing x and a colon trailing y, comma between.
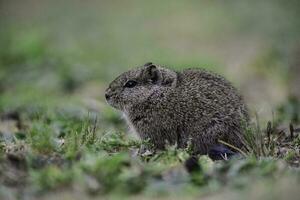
x: 171, y: 107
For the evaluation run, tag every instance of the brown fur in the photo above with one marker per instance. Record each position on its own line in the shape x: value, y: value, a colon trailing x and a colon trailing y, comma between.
x: 172, y: 107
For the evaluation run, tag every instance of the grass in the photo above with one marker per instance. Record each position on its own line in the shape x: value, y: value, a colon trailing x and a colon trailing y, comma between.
x: 61, y: 154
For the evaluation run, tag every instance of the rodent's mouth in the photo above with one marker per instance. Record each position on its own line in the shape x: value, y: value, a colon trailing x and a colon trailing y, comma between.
x: 113, y: 102
x: 110, y: 101
x: 109, y: 97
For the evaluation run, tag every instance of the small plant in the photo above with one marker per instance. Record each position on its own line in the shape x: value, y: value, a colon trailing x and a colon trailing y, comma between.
x: 270, y: 141
x: 41, y: 138
x: 171, y: 156
x: 51, y: 178
x: 106, y: 169
x: 115, y: 142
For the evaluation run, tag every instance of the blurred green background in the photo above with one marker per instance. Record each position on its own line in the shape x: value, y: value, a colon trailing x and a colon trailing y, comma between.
x: 57, y: 53
x: 58, y: 56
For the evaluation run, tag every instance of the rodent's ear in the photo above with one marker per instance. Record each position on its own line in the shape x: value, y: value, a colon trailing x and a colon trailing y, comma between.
x: 148, y: 64
x: 152, y: 73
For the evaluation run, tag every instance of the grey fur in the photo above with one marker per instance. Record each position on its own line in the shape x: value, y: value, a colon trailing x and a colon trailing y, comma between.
x: 169, y: 107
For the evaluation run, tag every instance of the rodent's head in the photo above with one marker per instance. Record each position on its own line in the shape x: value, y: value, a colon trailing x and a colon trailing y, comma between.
x: 137, y: 85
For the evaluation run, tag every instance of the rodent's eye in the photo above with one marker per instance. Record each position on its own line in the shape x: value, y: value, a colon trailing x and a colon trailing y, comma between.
x: 130, y: 84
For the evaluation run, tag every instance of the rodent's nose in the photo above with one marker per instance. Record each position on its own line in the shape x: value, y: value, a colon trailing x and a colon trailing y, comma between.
x: 107, y: 96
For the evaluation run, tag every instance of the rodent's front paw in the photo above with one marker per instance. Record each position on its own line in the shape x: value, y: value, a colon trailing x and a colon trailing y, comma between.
x: 145, y: 151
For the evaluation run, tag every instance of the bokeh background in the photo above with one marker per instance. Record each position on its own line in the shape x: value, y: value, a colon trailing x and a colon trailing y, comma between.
x: 59, y: 137
x: 64, y: 53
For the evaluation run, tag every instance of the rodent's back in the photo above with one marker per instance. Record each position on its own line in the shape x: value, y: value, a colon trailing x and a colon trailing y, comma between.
x: 211, y: 109
x: 208, y: 93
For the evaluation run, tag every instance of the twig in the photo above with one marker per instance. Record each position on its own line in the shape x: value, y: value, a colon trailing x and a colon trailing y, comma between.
x: 292, y: 131
x: 233, y: 147
x: 269, y: 131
